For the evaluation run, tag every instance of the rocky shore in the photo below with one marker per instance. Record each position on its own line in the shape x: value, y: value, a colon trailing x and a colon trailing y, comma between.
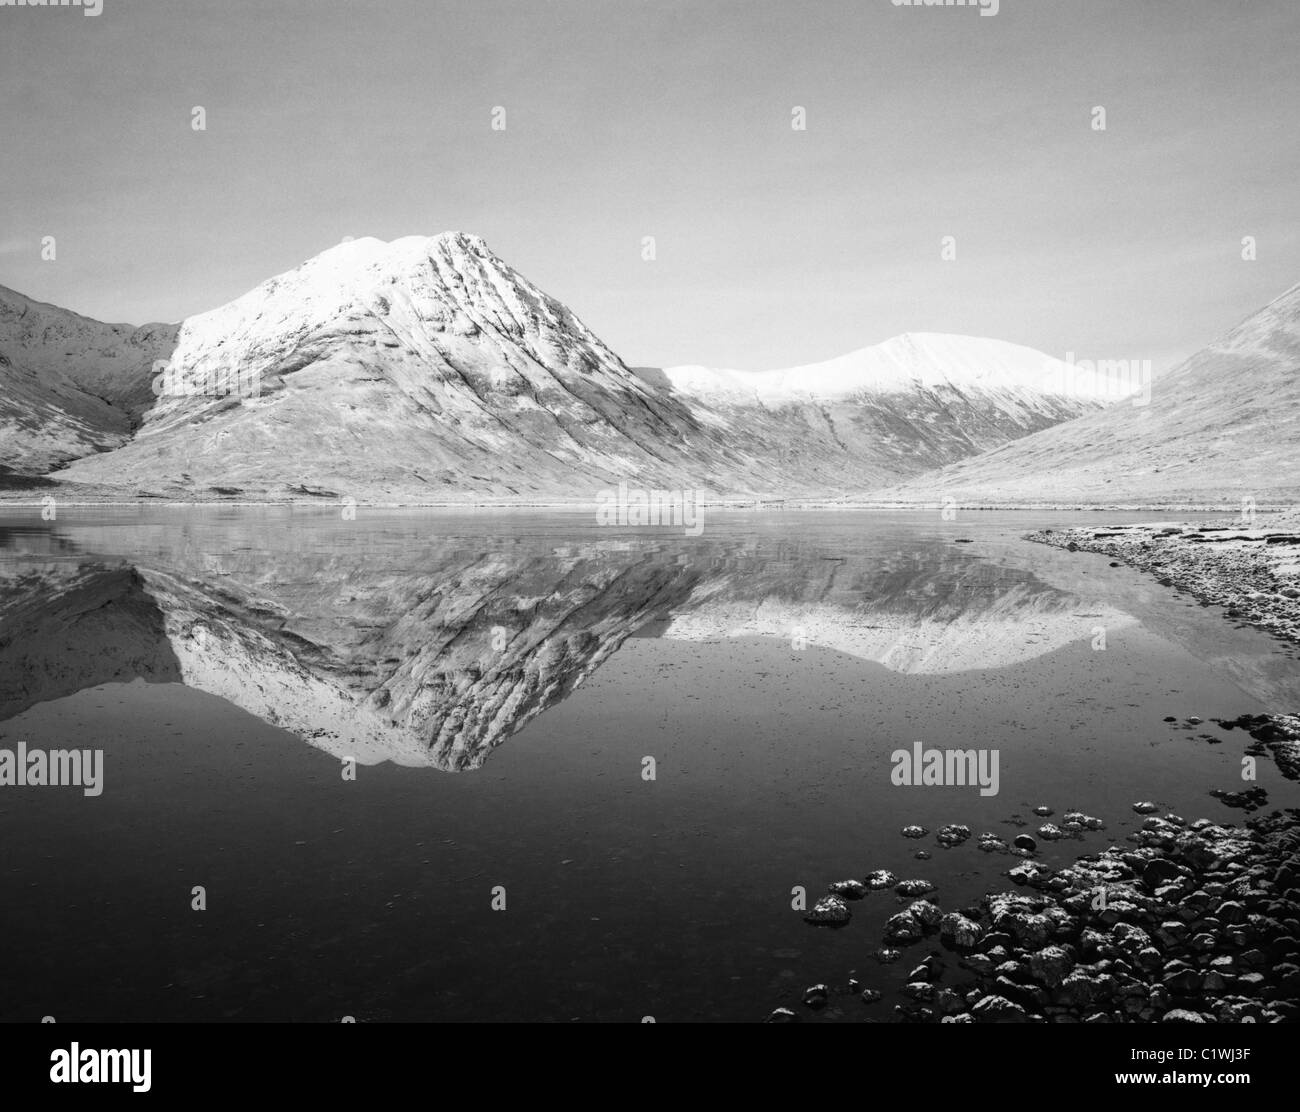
x: 1251, y: 570
x: 1192, y: 922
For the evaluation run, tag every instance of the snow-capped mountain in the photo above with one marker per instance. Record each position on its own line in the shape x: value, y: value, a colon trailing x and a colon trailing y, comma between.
x: 1222, y: 426
x: 914, y: 361
x: 426, y: 369
x: 421, y: 368
x: 69, y: 386
x: 903, y: 407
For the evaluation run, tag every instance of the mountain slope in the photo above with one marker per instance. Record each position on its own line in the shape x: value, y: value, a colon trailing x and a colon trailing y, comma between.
x: 426, y: 369
x: 421, y: 367
x: 72, y: 386
x: 903, y: 407
x: 1222, y: 426
x: 46, y: 420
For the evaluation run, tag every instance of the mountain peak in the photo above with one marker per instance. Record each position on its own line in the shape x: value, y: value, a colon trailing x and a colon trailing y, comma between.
x: 907, y: 362
x: 466, y: 241
x: 424, y: 362
x: 362, y: 248
x: 415, y: 288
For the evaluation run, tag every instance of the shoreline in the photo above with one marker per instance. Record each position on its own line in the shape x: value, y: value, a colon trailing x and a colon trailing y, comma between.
x: 1252, y: 572
x: 36, y: 500
x: 1192, y: 922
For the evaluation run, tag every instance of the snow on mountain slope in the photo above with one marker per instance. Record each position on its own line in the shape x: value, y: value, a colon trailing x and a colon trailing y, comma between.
x: 69, y: 386
x: 903, y: 407
x: 420, y: 367
x: 913, y: 361
x: 1222, y: 426
x: 428, y: 369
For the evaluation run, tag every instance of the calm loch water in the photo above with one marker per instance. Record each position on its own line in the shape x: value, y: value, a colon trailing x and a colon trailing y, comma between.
x: 358, y: 735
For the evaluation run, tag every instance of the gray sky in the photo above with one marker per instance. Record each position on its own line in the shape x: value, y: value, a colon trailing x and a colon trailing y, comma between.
x: 672, y: 118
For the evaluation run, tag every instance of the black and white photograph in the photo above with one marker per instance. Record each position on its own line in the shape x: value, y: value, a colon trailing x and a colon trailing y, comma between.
x: 657, y: 512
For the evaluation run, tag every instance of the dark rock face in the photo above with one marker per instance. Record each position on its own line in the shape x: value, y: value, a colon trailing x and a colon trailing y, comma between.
x: 1191, y: 923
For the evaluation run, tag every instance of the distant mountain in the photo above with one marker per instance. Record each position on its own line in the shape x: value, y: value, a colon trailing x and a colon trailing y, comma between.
x: 428, y: 369
x: 901, y: 408
x: 1222, y: 426
x: 70, y: 386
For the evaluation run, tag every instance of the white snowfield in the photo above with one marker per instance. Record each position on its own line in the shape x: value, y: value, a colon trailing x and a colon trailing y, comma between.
x: 912, y: 361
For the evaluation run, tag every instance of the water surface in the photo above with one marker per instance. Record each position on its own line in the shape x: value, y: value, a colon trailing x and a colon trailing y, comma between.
x: 500, y: 681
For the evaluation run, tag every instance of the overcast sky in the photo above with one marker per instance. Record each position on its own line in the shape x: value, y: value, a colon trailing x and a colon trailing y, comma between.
x: 672, y: 119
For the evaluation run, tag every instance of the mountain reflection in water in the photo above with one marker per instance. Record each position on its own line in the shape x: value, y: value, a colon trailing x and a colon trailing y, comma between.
x: 388, y: 643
